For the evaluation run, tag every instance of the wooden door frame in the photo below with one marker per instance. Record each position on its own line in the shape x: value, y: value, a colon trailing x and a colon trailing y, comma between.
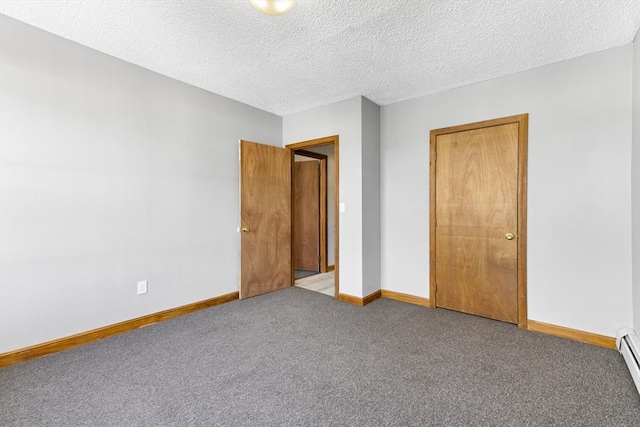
x: 323, y: 205
x: 522, y: 120
x: 334, y: 139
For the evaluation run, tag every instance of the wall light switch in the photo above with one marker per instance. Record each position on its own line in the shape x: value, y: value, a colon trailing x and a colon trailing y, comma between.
x: 142, y: 287
x: 343, y: 208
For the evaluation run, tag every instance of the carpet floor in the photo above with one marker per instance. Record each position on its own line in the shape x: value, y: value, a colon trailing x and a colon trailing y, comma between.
x: 296, y: 357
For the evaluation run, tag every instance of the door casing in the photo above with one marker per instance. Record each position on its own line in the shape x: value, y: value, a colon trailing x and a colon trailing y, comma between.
x: 522, y: 121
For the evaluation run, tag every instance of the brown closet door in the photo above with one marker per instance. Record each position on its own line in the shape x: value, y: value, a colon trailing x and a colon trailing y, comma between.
x: 476, y: 221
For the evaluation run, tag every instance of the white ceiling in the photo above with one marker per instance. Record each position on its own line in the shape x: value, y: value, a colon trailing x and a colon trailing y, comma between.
x: 329, y: 50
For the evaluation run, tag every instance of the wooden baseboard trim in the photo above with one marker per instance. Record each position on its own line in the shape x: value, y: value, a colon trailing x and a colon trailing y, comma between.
x: 331, y: 268
x: 39, y: 350
x: 351, y: 299
x: 411, y: 299
x: 572, y: 334
x: 360, y: 301
x: 371, y: 297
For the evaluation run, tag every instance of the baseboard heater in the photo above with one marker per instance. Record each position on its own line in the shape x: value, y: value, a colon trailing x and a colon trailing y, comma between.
x: 628, y: 345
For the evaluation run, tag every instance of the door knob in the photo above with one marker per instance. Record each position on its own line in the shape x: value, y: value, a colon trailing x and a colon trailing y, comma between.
x: 509, y: 236
x: 245, y: 229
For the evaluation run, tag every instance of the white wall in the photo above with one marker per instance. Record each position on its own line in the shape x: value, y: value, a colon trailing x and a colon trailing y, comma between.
x: 370, y: 196
x: 579, y: 210
x: 327, y: 150
x: 110, y: 174
x: 344, y: 119
x: 635, y: 185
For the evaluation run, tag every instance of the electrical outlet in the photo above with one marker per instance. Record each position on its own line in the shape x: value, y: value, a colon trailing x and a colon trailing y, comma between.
x: 142, y: 287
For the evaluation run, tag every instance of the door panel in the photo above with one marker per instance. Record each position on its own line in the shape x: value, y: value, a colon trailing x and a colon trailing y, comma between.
x: 306, y: 210
x: 476, y: 206
x: 265, y: 213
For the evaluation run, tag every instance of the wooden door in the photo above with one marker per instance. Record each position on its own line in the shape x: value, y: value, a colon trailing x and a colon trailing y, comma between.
x: 306, y: 211
x: 265, y: 214
x: 476, y: 217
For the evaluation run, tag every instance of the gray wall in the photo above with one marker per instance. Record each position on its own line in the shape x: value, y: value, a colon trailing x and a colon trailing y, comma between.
x: 370, y: 196
x: 579, y: 212
x: 110, y: 174
x: 344, y: 119
x: 635, y: 184
x: 327, y: 150
x: 357, y: 122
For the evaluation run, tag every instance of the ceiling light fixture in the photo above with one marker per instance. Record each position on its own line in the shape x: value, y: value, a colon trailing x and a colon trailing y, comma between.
x: 272, y: 7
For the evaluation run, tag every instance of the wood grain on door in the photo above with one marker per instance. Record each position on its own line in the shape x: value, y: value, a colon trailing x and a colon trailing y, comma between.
x: 265, y: 212
x: 306, y: 199
x: 476, y: 221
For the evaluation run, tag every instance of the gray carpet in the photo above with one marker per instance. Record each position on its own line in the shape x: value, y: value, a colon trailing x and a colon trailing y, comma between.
x: 296, y: 357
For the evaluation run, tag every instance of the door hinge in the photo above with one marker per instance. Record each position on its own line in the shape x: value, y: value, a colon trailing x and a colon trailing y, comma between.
x: 435, y: 285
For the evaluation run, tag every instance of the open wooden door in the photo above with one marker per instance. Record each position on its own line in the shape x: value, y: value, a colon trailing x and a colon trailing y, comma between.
x: 265, y: 218
x: 306, y: 215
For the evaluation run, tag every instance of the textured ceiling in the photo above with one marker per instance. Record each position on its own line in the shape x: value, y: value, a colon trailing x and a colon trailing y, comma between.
x: 329, y: 50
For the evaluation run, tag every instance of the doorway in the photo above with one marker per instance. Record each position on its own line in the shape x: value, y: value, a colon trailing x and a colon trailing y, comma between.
x: 309, y: 207
x: 323, y: 276
x: 478, y: 184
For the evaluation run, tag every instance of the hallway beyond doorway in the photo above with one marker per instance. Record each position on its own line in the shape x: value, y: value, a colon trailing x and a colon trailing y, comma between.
x: 323, y: 283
